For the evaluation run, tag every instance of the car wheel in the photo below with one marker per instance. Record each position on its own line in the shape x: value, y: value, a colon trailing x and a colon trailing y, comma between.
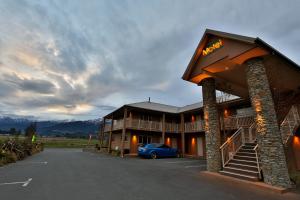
x: 153, y: 155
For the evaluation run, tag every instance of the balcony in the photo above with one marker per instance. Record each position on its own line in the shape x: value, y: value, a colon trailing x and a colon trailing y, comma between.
x: 196, y: 126
x: 107, y: 127
x: 172, y: 127
x: 145, y: 125
x: 235, y: 122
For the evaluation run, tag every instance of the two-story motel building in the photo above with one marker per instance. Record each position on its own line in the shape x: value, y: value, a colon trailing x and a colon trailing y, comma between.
x: 179, y: 127
x: 252, y: 137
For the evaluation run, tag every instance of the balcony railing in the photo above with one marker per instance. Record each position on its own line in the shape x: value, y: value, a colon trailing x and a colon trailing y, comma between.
x: 107, y: 127
x: 172, y: 127
x: 232, y: 122
x: 143, y: 124
x: 118, y: 124
x: 235, y: 122
x: 194, y: 126
x: 290, y: 123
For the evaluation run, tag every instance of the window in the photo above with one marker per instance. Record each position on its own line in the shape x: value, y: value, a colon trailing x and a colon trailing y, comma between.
x: 164, y: 146
x: 144, y: 139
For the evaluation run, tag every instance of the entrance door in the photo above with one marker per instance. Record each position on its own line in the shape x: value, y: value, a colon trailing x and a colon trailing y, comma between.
x: 199, y: 146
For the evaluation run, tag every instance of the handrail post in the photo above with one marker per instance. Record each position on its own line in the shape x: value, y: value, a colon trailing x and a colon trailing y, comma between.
x: 243, y: 136
x: 250, y: 134
x: 222, y: 153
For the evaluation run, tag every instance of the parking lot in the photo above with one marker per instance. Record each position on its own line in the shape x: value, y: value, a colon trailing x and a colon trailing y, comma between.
x: 73, y: 174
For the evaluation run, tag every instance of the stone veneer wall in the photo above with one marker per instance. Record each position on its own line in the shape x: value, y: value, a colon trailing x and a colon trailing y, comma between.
x: 271, y: 149
x: 212, y: 126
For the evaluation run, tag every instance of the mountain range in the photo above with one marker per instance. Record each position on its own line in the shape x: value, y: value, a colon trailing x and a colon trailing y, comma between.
x: 53, y: 128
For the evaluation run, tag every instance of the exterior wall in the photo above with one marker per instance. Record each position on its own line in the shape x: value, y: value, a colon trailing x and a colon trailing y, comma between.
x: 271, y: 151
x: 173, y: 140
x: 191, y: 144
x: 116, y: 143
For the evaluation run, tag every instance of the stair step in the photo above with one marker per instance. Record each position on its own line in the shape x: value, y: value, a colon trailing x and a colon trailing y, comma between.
x: 240, y: 176
x: 241, y: 171
x: 248, y: 158
x: 246, y: 154
x: 242, y: 166
x: 248, y: 147
x: 250, y: 144
x: 246, y: 151
x: 244, y: 162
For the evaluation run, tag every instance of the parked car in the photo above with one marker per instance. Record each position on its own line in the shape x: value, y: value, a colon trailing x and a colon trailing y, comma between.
x: 155, y: 150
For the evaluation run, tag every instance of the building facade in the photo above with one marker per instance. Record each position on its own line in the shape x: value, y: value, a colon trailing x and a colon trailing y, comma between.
x: 255, y: 136
x: 177, y: 127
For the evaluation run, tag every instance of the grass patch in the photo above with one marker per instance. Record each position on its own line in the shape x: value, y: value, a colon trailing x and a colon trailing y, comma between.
x: 66, y: 142
x: 58, y: 142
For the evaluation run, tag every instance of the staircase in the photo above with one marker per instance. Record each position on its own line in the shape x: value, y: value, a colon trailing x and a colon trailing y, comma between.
x: 243, y: 165
x: 240, y: 151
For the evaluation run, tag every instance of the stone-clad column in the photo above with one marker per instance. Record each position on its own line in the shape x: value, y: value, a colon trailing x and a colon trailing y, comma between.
x: 271, y: 149
x: 212, y: 126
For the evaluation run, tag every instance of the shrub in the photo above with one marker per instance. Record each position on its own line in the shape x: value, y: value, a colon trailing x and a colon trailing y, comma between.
x: 116, y: 152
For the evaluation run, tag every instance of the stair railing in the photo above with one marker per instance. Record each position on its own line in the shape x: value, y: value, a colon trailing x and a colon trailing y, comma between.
x: 236, y: 141
x: 232, y: 145
x: 257, y: 161
x: 252, y: 132
x: 288, y: 125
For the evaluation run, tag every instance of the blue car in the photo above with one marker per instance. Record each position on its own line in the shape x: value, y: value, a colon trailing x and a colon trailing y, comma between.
x: 155, y: 150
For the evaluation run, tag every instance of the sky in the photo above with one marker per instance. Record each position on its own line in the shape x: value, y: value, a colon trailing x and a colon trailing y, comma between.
x: 80, y: 60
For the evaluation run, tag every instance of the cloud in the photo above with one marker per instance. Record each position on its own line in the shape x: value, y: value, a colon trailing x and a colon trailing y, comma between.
x: 34, y: 85
x: 82, y: 60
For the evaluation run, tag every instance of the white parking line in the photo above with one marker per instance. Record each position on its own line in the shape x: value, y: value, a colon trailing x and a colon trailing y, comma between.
x: 194, y: 166
x: 174, y: 162
x: 27, y: 182
x: 28, y: 162
x: 24, y: 183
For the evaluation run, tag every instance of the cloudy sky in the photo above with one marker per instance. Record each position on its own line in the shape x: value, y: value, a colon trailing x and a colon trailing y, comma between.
x: 72, y: 59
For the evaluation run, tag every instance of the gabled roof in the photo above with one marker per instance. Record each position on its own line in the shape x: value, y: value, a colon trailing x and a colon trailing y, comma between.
x: 152, y: 106
x: 245, y: 39
x: 155, y: 106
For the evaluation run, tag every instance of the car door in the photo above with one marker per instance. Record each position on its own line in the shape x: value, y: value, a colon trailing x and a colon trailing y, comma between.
x: 166, y: 150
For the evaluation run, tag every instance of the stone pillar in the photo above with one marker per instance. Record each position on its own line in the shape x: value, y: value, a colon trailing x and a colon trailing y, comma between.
x: 271, y: 149
x: 123, y: 132
x: 211, y: 125
x: 182, y: 134
x: 163, y: 133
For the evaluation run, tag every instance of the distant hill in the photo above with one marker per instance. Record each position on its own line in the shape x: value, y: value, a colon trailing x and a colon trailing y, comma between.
x: 53, y: 128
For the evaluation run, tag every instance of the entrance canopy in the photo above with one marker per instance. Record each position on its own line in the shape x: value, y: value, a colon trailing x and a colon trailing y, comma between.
x: 222, y: 55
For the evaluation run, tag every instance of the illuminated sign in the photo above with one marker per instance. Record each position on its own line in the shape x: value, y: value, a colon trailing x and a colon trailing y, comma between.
x: 212, y: 47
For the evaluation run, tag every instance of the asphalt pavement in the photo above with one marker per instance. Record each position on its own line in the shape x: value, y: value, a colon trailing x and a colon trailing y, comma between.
x: 70, y: 174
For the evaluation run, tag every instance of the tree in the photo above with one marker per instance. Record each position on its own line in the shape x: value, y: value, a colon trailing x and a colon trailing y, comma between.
x: 12, y: 131
x: 30, y: 130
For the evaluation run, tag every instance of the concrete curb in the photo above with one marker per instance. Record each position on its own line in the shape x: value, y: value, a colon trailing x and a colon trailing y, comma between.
x: 259, y: 185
